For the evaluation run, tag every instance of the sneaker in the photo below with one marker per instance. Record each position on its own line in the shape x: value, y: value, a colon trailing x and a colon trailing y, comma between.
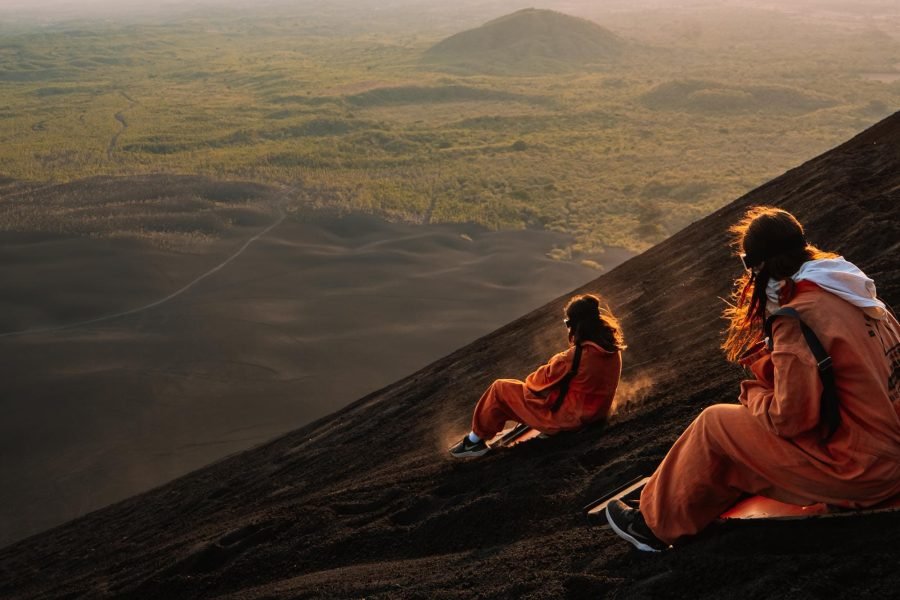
x: 468, y: 449
x: 628, y: 523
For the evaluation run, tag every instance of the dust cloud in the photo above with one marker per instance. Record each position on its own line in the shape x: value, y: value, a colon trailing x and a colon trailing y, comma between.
x: 631, y: 393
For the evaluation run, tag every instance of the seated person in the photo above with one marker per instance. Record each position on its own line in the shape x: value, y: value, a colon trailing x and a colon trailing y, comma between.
x: 786, y: 440
x: 575, y: 388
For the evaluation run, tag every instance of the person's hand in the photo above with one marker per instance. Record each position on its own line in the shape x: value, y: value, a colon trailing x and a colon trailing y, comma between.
x: 760, y: 364
x: 753, y: 354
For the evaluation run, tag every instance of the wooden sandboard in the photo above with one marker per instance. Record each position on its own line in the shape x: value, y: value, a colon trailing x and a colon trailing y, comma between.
x: 629, y: 492
x: 752, y: 508
x: 513, y: 436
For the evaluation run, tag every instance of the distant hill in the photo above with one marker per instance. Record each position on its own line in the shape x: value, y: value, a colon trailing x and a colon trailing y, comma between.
x: 715, y: 98
x: 529, y: 40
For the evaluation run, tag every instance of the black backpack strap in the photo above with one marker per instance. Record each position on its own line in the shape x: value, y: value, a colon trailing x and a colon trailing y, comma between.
x: 830, y: 414
x: 567, y: 378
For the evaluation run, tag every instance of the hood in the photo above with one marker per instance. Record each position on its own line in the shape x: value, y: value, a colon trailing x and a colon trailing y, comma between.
x: 841, y: 278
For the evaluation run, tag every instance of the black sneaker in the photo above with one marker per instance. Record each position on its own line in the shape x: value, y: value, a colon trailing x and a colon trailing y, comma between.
x: 628, y: 523
x: 468, y: 449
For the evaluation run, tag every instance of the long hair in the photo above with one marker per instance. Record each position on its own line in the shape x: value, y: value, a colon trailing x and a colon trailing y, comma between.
x: 774, y: 246
x: 592, y: 321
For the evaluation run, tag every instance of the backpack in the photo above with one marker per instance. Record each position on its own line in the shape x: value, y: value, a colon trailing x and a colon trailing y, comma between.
x: 829, y: 410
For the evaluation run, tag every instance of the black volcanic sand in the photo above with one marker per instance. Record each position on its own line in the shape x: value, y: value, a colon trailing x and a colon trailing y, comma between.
x: 312, y: 316
x: 366, y: 503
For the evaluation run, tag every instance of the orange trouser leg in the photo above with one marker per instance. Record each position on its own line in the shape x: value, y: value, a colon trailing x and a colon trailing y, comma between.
x: 722, y: 455
x: 493, y: 410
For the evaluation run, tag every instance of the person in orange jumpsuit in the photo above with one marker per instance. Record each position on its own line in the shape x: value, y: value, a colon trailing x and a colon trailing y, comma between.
x: 574, y: 388
x: 778, y: 442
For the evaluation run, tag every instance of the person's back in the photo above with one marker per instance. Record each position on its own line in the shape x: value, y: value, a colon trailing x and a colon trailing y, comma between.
x: 590, y: 392
x: 865, y: 355
x: 594, y: 387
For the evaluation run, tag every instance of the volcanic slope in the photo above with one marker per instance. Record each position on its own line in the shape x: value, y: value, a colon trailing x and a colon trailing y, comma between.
x: 365, y: 503
x: 527, y: 41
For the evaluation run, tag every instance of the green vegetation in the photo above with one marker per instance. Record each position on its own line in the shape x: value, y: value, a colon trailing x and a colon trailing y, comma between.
x: 693, y: 112
x: 712, y: 98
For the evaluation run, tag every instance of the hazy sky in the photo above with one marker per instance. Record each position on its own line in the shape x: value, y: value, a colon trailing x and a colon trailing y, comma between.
x: 51, y: 8
x: 431, y: 12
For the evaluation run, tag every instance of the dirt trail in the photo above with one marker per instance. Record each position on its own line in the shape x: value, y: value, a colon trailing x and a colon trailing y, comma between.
x: 120, y: 117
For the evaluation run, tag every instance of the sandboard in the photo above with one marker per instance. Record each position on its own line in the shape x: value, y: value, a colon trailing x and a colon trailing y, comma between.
x: 630, y: 493
x: 752, y: 508
x: 513, y: 436
x: 759, y: 507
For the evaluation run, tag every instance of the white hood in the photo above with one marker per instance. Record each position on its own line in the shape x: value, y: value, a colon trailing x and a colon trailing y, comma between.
x: 839, y: 277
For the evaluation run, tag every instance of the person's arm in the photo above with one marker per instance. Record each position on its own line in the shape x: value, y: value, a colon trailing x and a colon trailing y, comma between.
x: 759, y: 360
x: 548, y: 375
x: 787, y: 393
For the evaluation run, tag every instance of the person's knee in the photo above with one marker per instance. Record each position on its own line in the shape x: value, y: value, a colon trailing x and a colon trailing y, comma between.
x: 720, y: 419
x: 715, y: 412
x: 501, y: 385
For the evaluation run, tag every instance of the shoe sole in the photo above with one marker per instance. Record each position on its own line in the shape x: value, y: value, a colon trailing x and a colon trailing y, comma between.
x: 471, y: 454
x: 628, y: 537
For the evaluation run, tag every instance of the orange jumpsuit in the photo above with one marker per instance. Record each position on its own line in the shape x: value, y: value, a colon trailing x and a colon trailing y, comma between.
x: 589, y: 397
x: 772, y: 443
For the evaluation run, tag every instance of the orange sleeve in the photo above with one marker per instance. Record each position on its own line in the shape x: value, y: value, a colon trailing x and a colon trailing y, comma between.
x: 548, y: 375
x: 759, y: 360
x: 787, y: 393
